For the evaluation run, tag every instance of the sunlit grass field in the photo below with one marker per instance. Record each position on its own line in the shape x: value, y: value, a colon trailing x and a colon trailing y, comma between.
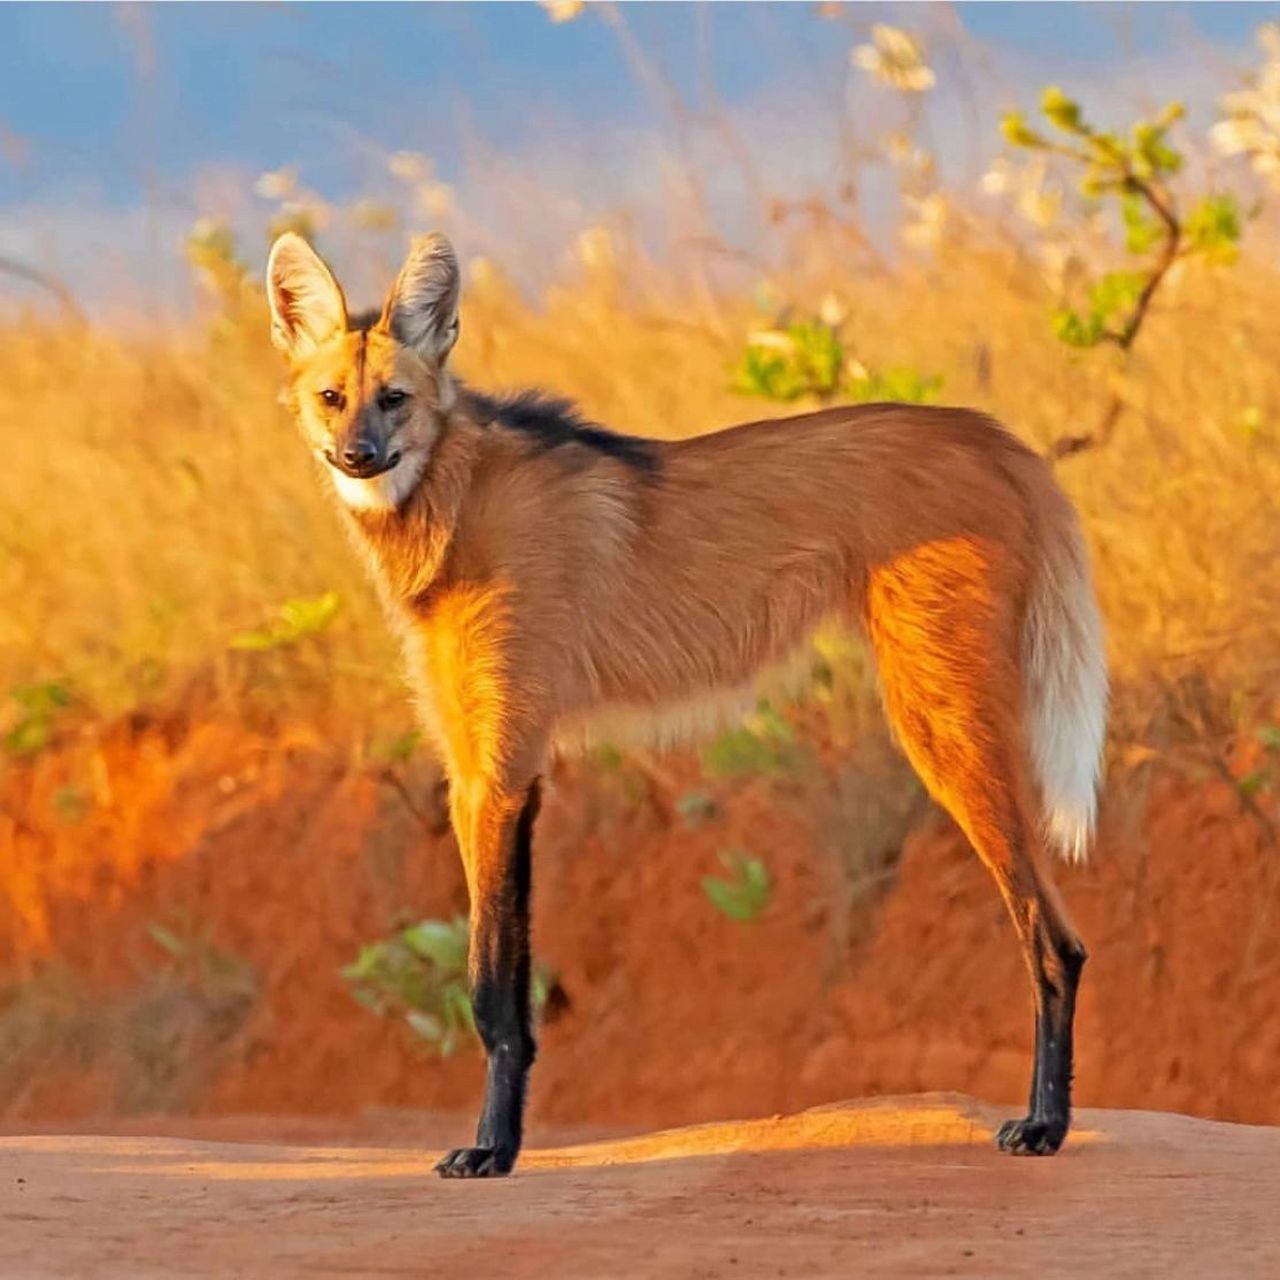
x: 155, y: 504
x: 166, y: 537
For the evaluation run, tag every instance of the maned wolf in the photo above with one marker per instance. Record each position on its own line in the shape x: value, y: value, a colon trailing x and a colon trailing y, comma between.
x: 553, y: 580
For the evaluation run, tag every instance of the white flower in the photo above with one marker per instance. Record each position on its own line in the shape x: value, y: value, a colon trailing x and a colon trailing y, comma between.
x: 309, y: 208
x: 563, y: 10
x: 905, y: 155
x: 1036, y: 195
x: 595, y: 248
x: 999, y: 179
x: 481, y: 272
x: 203, y: 229
x: 434, y: 200
x: 410, y: 167
x: 1058, y: 260
x: 373, y: 215
x: 1230, y: 137
x: 895, y: 57
x: 771, y: 340
x: 1039, y: 196
x: 276, y: 184
x: 927, y: 217
x: 1252, y: 115
x: 832, y: 312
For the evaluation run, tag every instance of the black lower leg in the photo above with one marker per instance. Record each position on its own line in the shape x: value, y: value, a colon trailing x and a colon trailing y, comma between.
x: 500, y: 1000
x: 1055, y: 964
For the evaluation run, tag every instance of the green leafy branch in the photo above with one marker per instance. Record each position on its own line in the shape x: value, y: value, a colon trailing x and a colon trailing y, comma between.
x: 36, y: 709
x: 1135, y: 171
x: 763, y: 744
x: 419, y: 974
x: 807, y: 359
x: 294, y: 620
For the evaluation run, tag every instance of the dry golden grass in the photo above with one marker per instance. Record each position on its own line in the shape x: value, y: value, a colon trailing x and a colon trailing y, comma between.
x: 154, y: 501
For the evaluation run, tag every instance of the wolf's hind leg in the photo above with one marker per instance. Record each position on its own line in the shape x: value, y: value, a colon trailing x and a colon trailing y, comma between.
x: 945, y: 627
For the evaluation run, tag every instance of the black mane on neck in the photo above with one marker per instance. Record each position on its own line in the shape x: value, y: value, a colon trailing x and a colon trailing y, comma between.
x: 553, y: 423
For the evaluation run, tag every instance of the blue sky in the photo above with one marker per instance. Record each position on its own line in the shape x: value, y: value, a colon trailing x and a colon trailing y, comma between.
x: 120, y: 124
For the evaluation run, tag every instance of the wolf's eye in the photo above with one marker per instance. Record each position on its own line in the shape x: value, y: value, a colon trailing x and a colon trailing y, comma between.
x: 392, y: 398
x: 332, y: 398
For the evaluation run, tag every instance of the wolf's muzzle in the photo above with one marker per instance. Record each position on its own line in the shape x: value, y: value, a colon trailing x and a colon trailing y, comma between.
x: 362, y: 459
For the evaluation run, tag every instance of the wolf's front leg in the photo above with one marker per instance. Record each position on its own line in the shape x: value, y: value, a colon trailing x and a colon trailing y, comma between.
x: 495, y: 835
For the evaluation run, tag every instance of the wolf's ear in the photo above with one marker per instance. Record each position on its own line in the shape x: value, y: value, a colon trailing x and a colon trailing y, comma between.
x: 422, y: 308
x: 307, y: 306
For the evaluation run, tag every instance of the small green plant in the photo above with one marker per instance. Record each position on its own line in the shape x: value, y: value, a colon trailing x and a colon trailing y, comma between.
x: 294, y: 620
x: 398, y: 749
x: 807, y: 358
x: 37, y: 708
x: 764, y: 743
x: 605, y: 757
x: 1262, y: 779
x: 1132, y: 170
x: 618, y: 783
x: 1253, y: 782
x: 745, y: 893
x: 70, y: 803
x: 214, y: 256
x: 903, y: 385
x: 190, y: 1009
x: 420, y: 975
x: 300, y: 220
x: 697, y: 808
x: 157, y: 1043
x: 192, y: 951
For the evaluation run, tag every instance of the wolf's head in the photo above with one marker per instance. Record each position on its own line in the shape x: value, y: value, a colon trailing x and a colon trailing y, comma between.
x: 368, y: 398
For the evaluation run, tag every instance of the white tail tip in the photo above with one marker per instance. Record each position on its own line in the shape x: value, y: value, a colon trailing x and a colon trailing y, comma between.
x: 1067, y: 693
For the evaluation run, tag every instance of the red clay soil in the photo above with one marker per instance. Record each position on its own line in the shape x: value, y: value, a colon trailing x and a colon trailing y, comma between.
x: 900, y: 1187
x: 284, y: 857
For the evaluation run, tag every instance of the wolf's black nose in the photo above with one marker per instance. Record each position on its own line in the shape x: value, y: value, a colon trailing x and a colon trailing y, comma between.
x: 359, y: 454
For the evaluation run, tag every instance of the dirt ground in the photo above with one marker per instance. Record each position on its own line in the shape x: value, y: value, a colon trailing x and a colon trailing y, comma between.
x: 907, y: 1186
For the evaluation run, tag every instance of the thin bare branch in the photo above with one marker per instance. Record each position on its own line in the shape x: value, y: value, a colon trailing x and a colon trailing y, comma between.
x: 1124, y: 338
x: 21, y: 271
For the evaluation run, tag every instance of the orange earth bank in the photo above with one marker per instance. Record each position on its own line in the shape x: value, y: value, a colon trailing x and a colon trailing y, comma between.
x: 283, y: 857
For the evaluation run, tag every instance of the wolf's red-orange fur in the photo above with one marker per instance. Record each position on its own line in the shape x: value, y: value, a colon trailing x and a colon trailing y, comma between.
x: 552, y: 582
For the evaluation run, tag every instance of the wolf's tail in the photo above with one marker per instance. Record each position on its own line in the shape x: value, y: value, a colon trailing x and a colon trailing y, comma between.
x: 1066, y: 682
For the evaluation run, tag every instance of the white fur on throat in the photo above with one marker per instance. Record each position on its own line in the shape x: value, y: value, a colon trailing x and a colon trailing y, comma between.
x: 379, y: 493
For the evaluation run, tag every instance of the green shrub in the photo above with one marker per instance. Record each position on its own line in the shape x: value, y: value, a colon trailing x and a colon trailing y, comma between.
x: 745, y: 893
x: 419, y: 974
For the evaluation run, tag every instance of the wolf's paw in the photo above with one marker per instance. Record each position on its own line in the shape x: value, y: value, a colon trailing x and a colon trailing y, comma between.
x: 1031, y: 1137
x: 475, y: 1162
